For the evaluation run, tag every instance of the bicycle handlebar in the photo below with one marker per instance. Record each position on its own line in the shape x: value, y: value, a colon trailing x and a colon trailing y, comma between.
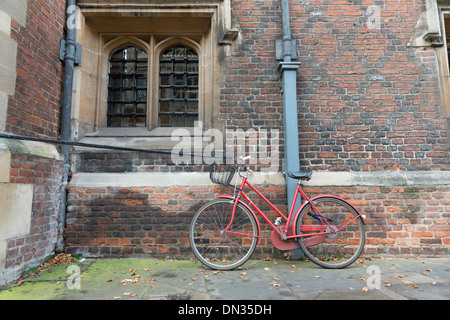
x: 244, y: 159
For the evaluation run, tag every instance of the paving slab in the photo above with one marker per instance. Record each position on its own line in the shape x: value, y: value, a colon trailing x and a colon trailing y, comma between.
x: 152, y: 279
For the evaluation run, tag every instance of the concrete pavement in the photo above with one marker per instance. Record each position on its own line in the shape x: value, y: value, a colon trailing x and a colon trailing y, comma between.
x: 151, y: 279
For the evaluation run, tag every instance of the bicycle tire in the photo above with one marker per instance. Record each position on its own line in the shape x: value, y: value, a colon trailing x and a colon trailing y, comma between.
x: 334, y: 250
x: 218, y: 250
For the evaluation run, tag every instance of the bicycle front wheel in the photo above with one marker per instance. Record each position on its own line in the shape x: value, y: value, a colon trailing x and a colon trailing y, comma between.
x: 221, y: 250
x: 336, y: 244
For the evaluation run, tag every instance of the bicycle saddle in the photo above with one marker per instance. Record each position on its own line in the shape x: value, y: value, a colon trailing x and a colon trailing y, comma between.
x: 306, y: 175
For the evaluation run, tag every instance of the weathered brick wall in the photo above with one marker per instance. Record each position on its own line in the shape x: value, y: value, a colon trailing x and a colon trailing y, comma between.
x: 155, y: 221
x: 368, y: 103
x: 143, y: 221
x: 34, y: 110
x: 45, y: 175
x: 400, y: 220
x: 251, y: 96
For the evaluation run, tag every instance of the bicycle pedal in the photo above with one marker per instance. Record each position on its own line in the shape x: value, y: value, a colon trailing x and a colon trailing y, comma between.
x: 283, y: 236
x: 278, y: 221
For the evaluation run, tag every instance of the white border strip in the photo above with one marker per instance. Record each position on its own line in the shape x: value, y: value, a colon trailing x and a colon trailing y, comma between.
x: 172, y: 179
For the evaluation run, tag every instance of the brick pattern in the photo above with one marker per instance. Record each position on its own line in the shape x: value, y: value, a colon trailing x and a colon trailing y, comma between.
x: 401, y: 220
x: 251, y: 95
x: 45, y: 174
x: 35, y: 108
x: 124, y: 221
x: 133, y: 221
x: 366, y: 102
x: 122, y: 162
x: 155, y: 221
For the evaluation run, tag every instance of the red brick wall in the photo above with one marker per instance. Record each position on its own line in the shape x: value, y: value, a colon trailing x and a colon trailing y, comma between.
x: 34, y: 110
x: 401, y: 220
x: 155, y: 221
x: 134, y: 221
x: 45, y: 175
x: 366, y: 102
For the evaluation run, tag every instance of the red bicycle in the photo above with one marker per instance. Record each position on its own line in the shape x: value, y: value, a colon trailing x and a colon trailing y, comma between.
x: 225, y: 232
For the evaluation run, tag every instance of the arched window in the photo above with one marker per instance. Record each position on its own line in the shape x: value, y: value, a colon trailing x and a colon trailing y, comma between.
x: 127, y: 88
x: 179, y: 87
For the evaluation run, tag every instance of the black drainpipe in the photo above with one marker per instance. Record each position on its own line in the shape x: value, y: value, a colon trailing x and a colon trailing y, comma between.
x: 69, y: 56
x: 288, y: 68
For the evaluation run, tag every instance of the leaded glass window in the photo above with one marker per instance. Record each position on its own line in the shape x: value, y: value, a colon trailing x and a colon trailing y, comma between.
x: 178, y: 87
x: 127, y: 88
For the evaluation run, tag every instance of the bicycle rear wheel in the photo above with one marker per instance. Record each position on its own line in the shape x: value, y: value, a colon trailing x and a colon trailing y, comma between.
x: 223, y: 250
x: 345, y: 242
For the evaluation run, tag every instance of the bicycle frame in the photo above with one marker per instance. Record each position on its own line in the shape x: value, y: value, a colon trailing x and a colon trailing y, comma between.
x: 288, y: 230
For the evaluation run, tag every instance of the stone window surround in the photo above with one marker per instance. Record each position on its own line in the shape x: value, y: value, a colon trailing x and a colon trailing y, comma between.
x: 430, y: 31
x: 210, y: 44
x: 442, y: 52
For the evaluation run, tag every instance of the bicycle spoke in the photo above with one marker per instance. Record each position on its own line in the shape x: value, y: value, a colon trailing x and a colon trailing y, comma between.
x: 343, y: 238
x: 219, y: 249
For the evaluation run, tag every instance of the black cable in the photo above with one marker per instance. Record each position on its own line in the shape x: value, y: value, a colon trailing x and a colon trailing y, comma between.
x: 88, y: 145
x: 81, y: 144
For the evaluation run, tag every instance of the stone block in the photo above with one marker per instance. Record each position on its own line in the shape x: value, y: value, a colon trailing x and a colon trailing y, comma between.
x: 15, y: 210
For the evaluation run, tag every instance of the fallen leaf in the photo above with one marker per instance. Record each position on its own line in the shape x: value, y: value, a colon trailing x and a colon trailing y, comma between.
x: 407, y: 281
x: 243, y: 273
x: 293, y: 266
x: 388, y: 284
x: 146, y: 269
x: 267, y: 269
x: 276, y: 279
x: 392, y: 268
x: 116, y: 297
x: 274, y: 284
x: 350, y: 288
x: 365, y: 289
x: 317, y: 277
x: 109, y: 280
x: 127, y: 293
x: 415, y: 287
x: 193, y: 279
